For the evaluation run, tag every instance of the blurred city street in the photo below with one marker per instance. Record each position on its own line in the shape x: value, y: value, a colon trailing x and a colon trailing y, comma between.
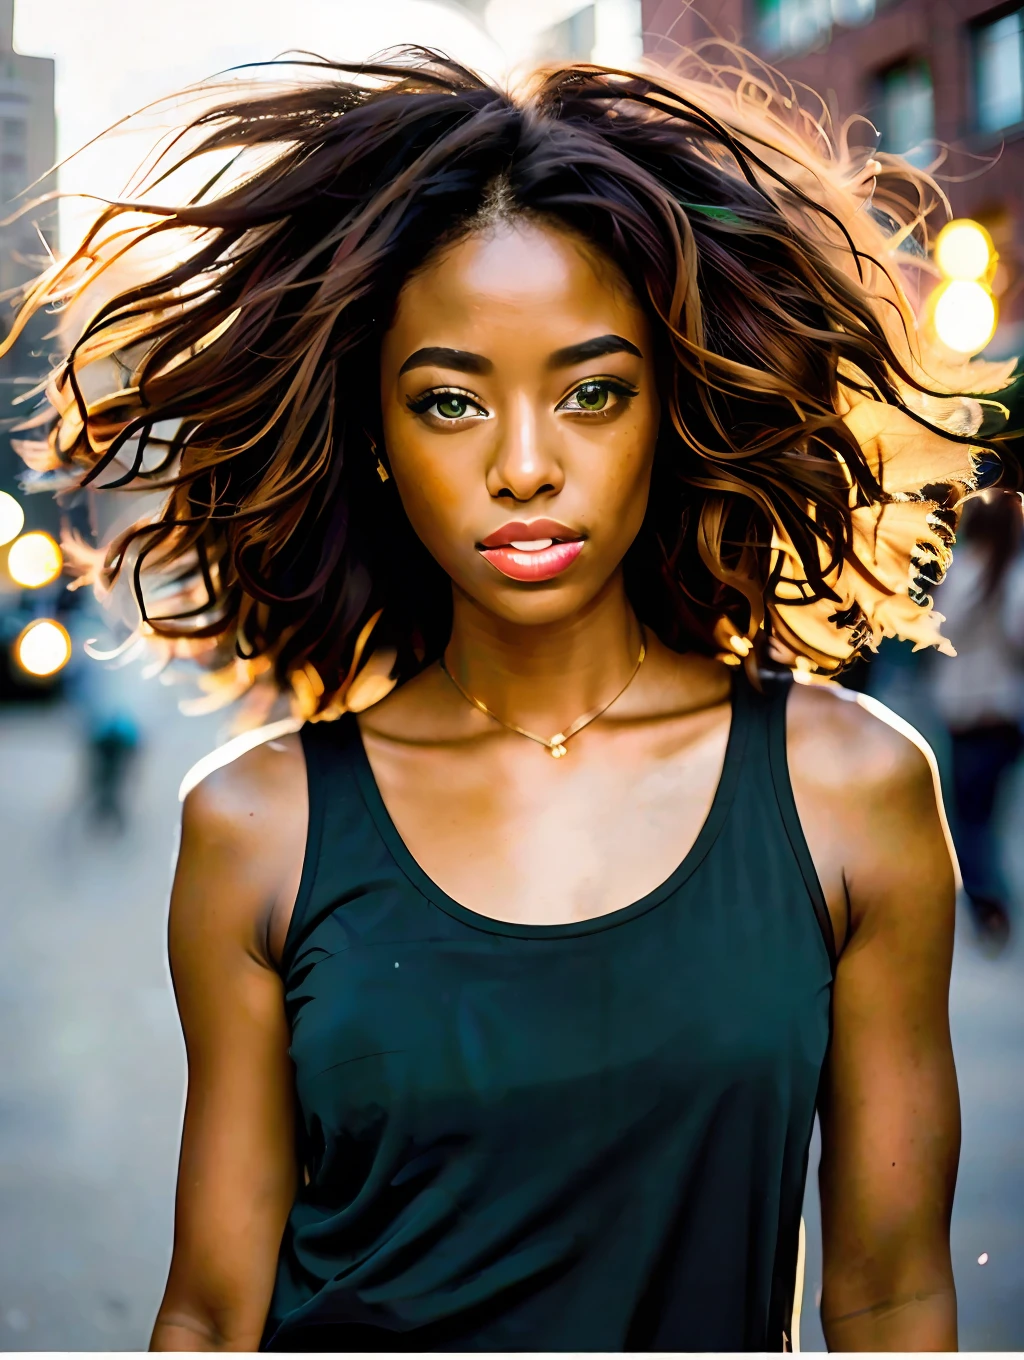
x: 93, y: 1070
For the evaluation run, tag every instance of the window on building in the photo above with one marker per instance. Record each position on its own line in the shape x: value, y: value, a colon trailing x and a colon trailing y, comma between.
x: 999, y: 72
x: 796, y: 25
x: 853, y: 12
x: 572, y: 39
x: 792, y: 25
x: 13, y: 165
x: 906, y: 111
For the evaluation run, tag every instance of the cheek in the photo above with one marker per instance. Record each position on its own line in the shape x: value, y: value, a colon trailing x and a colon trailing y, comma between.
x: 627, y: 472
x: 434, y: 487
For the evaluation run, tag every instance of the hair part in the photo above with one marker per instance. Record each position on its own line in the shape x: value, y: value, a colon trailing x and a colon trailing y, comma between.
x: 498, y: 206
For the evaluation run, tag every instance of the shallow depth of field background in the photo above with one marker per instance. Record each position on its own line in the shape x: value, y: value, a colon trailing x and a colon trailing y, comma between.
x: 92, y: 1065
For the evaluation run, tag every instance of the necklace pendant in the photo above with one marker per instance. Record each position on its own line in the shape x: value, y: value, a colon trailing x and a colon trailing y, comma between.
x: 557, y: 746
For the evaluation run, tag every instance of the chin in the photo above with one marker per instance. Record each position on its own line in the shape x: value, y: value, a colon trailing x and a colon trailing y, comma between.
x: 536, y: 605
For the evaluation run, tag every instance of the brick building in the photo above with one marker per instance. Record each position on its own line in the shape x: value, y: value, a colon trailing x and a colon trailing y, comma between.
x: 934, y: 76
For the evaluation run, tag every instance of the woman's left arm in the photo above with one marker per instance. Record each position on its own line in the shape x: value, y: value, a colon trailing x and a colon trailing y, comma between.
x: 889, y: 1108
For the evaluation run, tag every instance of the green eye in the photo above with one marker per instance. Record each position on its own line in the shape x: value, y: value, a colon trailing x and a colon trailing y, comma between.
x: 452, y: 407
x: 445, y: 404
x: 598, y: 396
x: 591, y: 396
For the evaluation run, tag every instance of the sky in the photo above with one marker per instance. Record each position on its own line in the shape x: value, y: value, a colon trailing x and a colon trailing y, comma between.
x: 113, y: 58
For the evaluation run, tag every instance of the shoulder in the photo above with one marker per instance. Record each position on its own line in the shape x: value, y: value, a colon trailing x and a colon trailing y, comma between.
x: 244, y: 764
x: 243, y: 789
x: 867, y: 788
x: 839, y: 738
x: 243, y: 834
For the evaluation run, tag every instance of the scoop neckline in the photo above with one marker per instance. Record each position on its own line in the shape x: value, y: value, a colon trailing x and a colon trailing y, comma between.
x: 434, y: 893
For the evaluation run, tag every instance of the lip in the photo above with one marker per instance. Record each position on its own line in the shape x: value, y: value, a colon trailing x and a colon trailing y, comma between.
x: 518, y: 531
x: 537, y: 564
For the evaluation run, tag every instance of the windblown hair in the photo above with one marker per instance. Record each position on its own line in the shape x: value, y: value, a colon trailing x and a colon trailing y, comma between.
x: 224, y: 351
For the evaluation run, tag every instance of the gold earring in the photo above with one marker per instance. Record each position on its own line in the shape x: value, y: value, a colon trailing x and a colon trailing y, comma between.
x: 382, y: 471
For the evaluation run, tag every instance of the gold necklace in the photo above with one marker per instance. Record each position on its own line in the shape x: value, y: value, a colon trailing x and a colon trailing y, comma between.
x: 556, y: 744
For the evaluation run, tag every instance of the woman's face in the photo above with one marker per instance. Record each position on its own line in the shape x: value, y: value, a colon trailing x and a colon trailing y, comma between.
x: 520, y: 418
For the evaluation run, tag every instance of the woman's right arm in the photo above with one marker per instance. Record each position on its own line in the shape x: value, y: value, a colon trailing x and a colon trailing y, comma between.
x: 243, y: 830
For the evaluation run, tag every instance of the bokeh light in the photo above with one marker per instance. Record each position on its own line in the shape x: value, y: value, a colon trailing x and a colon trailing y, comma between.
x: 965, y: 316
x: 963, y: 250
x: 12, y: 518
x: 34, y: 560
x: 43, y: 648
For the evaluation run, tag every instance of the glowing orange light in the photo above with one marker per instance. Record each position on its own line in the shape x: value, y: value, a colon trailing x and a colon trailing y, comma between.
x: 12, y: 518
x: 964, y: 315
x: 34, y: 560
x: 964, y: 250
x: 43, y: 648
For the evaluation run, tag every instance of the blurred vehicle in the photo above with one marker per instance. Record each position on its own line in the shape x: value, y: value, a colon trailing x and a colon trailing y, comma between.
x: 31, y: 662
x: 35, y: 646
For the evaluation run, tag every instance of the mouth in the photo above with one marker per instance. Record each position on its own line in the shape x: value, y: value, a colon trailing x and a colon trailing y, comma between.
x: 537, y: 551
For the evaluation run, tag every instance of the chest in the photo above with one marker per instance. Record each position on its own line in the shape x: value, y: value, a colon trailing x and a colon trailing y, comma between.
x: 446, y: 1027
x: 511, y: 833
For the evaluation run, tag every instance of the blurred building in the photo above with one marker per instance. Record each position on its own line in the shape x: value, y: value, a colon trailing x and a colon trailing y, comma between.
x: 27, y: 154
x: 563, y: 30
x: 939, y: 79
x: 28, y: 149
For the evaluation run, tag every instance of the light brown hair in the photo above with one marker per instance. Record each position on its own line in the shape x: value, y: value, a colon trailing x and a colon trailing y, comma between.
x: 224, y: 350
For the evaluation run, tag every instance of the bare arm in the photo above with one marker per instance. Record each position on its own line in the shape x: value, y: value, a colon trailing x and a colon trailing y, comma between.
x: 242, y: 833
x: 889, y: 1111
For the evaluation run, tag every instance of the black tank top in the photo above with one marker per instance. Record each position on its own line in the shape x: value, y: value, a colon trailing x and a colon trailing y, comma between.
x: 590, y: 1136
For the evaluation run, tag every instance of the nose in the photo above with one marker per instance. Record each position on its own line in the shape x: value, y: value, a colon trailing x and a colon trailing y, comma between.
x: 525, y: 462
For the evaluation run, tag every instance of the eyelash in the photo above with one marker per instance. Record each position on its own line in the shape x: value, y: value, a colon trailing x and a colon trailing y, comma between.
x: 421, y: 405
x: 616, y: 385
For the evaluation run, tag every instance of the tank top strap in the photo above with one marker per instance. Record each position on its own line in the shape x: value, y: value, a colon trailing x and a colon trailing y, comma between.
x: 766, y: 767
x: 339, y: 836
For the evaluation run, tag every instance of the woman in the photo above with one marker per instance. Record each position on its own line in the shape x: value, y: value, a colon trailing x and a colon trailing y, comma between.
x: 511, y: 982
x: 980, y: 694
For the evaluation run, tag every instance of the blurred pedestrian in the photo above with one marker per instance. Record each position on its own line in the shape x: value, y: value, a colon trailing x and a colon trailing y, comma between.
x: 979, y: 694
x: 104, y: 699
x: 113, y: 743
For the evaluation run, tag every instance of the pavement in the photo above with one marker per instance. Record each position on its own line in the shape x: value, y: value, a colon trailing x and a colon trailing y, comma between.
x: 93, y: 1065
x: 92, y: 1068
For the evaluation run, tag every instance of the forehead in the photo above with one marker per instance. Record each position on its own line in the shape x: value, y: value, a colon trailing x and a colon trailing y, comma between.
x: 544, y: 285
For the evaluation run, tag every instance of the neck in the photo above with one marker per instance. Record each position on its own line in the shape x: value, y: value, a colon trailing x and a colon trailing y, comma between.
x: 544, y: 676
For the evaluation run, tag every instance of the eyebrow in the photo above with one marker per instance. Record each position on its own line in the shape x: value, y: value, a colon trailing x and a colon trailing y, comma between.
x: 592, y: 349
x: 463, y: 360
